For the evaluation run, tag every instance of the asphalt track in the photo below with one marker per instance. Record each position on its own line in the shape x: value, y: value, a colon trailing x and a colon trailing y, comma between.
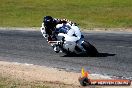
x: 30, y: 47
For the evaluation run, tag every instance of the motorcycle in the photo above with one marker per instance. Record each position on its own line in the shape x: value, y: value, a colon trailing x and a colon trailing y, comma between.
x: 69, y: 44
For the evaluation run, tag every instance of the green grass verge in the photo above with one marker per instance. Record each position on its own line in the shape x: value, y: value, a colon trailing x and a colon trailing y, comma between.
x: 87, y: 13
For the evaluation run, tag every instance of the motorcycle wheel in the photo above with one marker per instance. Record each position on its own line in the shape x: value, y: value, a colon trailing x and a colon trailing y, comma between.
x: 90, y: 49
x: 84, y: 81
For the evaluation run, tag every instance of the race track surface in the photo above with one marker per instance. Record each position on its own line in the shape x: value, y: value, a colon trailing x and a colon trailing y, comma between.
x: 30, y: 47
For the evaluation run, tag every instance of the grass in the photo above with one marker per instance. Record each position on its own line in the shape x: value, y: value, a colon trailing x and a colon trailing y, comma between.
x: 6, y: 82
x: 87, y: 13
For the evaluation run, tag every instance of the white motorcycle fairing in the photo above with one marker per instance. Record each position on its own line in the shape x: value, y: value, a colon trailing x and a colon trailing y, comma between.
x: 70, y: 42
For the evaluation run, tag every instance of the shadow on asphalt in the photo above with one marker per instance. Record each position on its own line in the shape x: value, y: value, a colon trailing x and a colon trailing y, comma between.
x: 105, y: 54
x: 85, y: 55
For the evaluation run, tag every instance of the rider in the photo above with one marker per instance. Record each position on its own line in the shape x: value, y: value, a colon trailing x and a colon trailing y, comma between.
x: 48, y: 29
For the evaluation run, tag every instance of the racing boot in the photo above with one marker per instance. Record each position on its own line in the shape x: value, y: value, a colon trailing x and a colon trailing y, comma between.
x: 56, y: 48
x: 79, y: 45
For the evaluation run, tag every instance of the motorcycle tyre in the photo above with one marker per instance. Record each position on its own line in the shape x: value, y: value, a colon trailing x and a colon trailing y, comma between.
x: 90, y: 49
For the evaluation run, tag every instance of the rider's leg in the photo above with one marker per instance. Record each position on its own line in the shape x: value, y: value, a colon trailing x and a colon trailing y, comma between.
x: 77, y: 31
x: 80, y: 37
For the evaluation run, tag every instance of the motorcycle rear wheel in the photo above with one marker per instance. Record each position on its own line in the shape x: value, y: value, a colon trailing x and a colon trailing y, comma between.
x: 90, y: 49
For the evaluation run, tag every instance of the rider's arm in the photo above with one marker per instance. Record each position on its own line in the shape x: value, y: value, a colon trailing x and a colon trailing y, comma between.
x: 43, y: 30
x: 44, y: 33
